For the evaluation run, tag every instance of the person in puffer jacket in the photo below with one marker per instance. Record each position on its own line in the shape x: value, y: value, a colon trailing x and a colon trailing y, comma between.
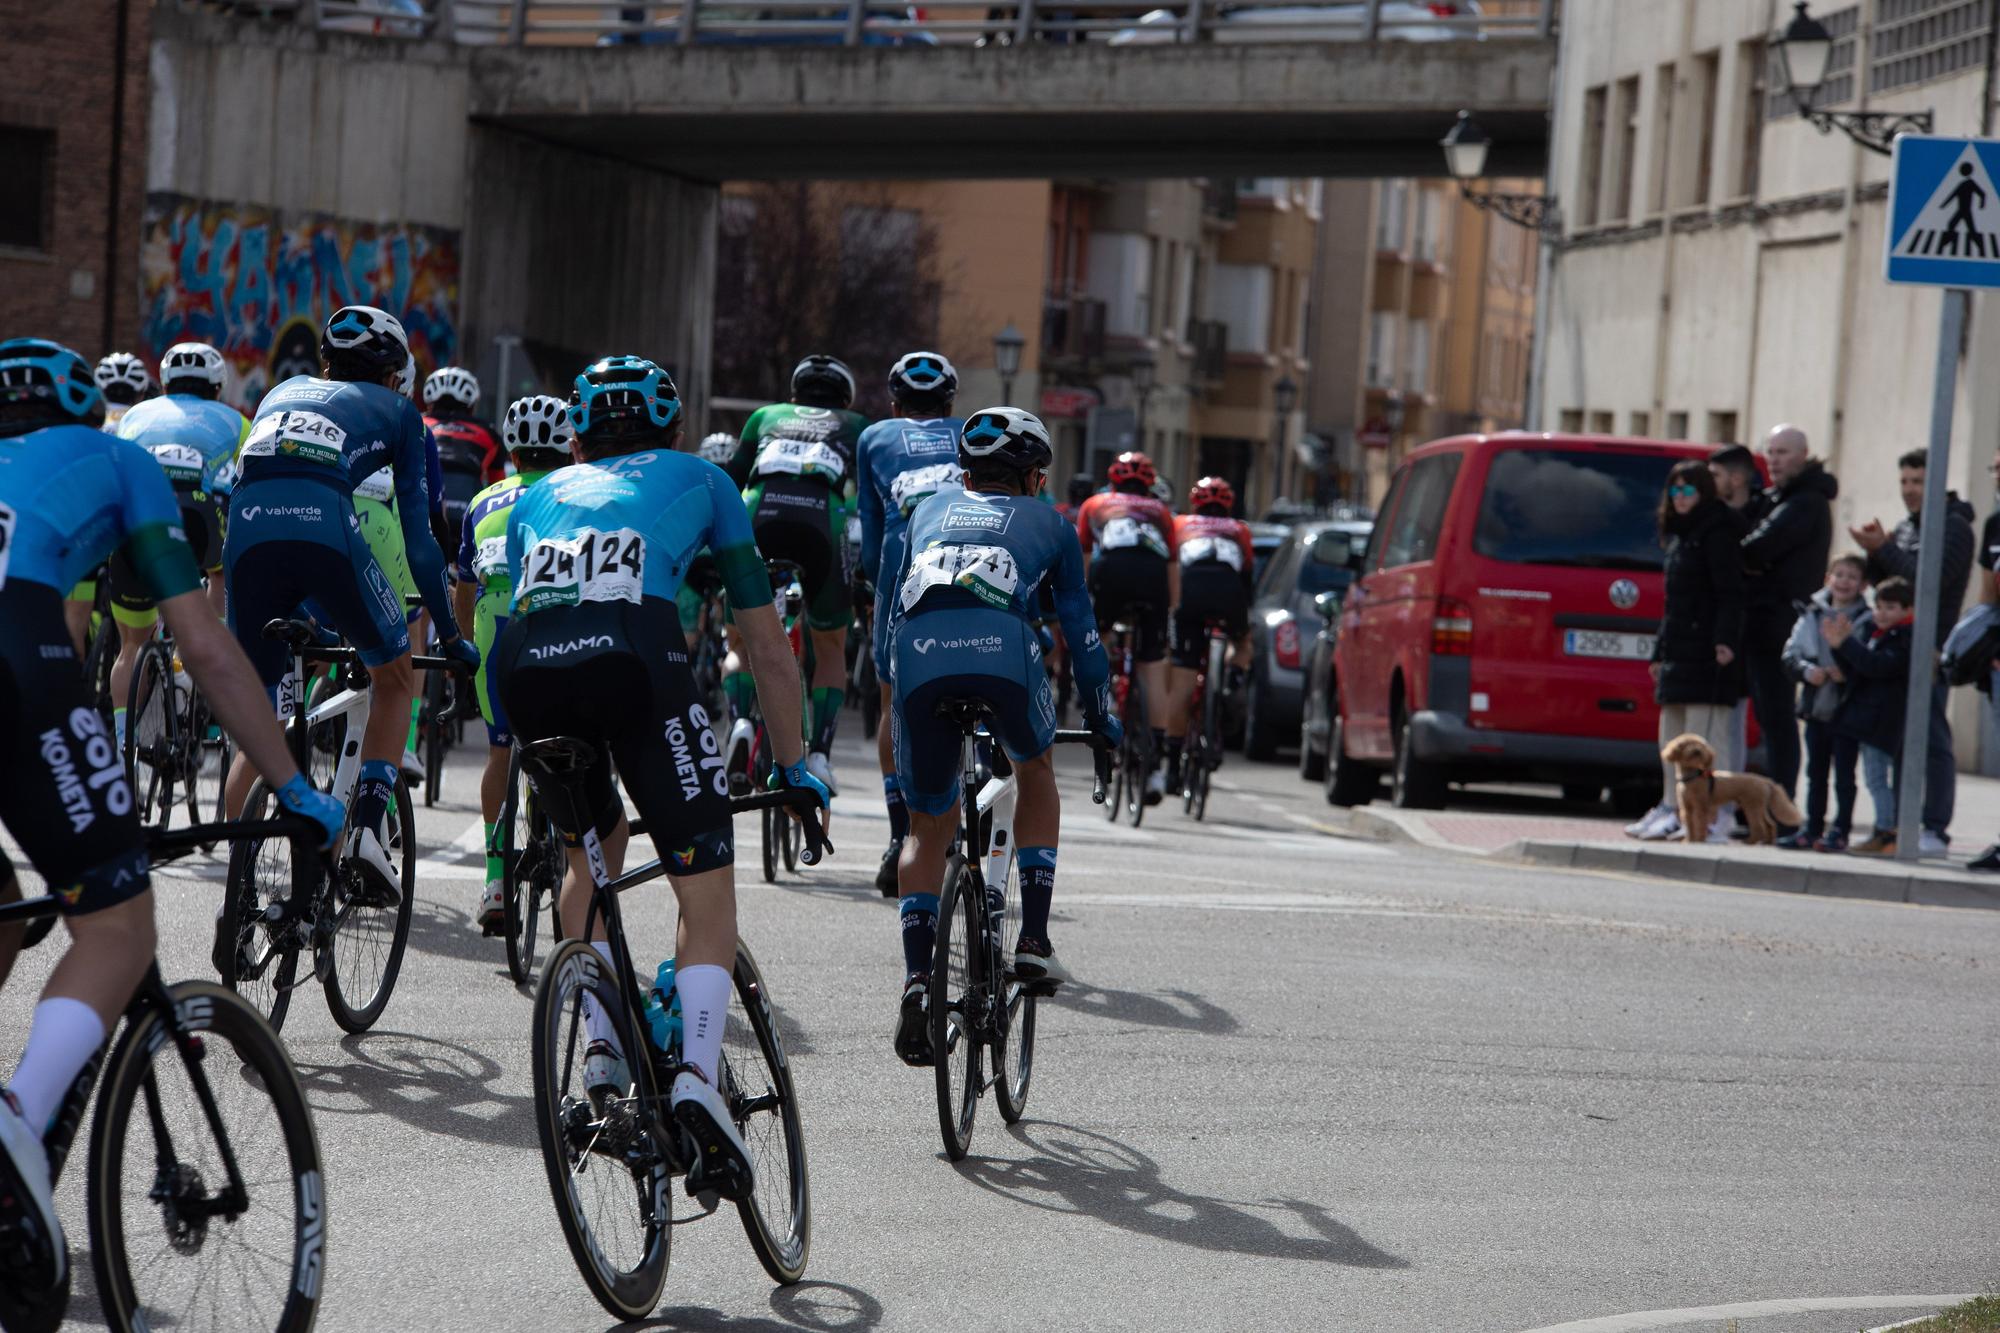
x: 1822, y: 685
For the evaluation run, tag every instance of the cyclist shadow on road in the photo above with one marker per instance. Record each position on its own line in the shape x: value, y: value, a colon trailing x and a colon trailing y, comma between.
x: 1179, y: 1010
x: 824, y: 1307
x: 433, y: 1085
x: 1093, y: 1175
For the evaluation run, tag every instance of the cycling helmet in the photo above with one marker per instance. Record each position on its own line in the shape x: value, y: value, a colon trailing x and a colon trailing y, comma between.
x: 406, y: 381
x: 1081, y: 487
x: 1005, y: 435
x: 42, y: 379
x: 455, y: 383
x: 540, y: 421
x: 195, y: 367
x: 123, y: 378
x: 1211, y: 491
x: 924, y: 376
x: 623, y: 396
x: 823, y: 381
x: 361, y: 342
x: 719, y: 448
x: 1134, y: 471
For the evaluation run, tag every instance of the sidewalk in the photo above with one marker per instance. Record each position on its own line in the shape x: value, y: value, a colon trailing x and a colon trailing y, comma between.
x: 1587, y: 842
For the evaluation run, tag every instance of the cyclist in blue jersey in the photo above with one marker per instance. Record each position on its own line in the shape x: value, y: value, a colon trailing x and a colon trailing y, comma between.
x: 593, y: 649
x: 71, y: 495
x: 294, y: 536
x: 902, y: 462
x: 966, y: 594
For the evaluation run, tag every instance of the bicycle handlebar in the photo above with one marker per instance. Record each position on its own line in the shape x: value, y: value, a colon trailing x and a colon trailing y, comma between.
x: 798, y: 798
x: 1101, y: 756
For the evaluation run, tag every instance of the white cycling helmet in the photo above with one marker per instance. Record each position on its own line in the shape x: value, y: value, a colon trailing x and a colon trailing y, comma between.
x: 540, y: 421
x: 123, y: 378
x: 406, y: 379
x: 718, y: 448
x: 363, y: 343
x: 198, y: 362
x: 1005, y: 435
x: 455, y: 382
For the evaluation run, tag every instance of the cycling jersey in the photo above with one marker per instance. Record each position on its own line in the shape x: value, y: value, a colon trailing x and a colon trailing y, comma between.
x: 482, y: 561
x: 902, y: 462
x: 194, y: 440
x: 797, y: 467
x: 69, y: 496
x: 1216, y: 569
x: 965, y: 592
x: 471, y: 456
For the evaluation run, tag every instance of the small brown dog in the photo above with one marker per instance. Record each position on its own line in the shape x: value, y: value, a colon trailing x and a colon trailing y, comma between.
x: 1701, y: 789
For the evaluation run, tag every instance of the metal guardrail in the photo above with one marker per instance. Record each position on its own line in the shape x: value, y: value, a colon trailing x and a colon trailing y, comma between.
x: 816, y: 23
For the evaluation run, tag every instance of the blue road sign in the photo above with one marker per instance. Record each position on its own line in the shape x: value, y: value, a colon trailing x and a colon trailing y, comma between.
x: 1944, y: 213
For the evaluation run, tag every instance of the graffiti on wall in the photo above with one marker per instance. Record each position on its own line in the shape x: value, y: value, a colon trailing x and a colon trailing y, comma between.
x: 258, y: 284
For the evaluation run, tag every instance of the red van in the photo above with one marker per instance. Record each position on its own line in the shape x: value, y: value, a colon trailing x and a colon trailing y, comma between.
x: 1502, y: 621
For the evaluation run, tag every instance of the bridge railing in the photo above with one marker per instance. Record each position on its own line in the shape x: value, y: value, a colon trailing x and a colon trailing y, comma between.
x: 876, y: 24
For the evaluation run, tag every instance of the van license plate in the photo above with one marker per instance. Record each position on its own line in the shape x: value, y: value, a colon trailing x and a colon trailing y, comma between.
x: 1600, y: 643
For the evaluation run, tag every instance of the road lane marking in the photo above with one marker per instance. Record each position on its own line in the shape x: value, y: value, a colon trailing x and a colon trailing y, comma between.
x: 1708, y: 1314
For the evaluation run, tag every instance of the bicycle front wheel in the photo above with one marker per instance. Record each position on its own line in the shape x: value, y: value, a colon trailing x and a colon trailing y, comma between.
x: 958, y: 1005
x: 756, y: 1080
x: 435, y: 736
x: 169, y: 1247
x: 367, y: 942
x: 256, y: 951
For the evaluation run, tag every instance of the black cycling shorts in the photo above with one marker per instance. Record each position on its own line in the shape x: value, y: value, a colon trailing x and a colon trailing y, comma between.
x: 459, y: 489
x: 63, y: 793
x: 794, y: 518
x: 617, y: 676
x: 201, y: 520
x: 1131, y: 586
x: 1210, y: 591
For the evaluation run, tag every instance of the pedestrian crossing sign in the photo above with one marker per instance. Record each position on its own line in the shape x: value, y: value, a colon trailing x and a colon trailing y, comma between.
x: 1944, y: 213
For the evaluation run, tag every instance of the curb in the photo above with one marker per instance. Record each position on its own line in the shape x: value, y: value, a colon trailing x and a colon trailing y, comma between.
x: 1814, y: 876
x: 1396, y: 826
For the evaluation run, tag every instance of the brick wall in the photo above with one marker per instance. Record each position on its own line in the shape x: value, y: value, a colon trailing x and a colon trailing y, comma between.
x: 57, y: 72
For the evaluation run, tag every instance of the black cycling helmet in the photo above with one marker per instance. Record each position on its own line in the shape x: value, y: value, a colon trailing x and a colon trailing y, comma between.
x: 363, y: 342
x: 44, y: 383
x: 1006, y: 436
x: 923, y: 377
x: 1081, y: 487
x: 823, y: 381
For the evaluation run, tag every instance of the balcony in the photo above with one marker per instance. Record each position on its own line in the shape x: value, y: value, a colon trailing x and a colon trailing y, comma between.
x: 1210, y: 340
x: 1218, y: 202
x: 1072, y: 331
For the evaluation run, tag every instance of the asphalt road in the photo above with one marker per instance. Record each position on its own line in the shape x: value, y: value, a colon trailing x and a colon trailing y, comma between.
x: 1304, y: 1081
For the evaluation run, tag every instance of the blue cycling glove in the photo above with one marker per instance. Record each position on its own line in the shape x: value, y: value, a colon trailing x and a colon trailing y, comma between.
x: 302, y: 798
x: 461, y: 650
x: 798, y: 778
x: 1110, y: 728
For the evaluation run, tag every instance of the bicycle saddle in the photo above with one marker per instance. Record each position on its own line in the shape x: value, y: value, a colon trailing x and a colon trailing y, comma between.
x: 966, y: 710
x: 294, y: 634
x: 558, y: 756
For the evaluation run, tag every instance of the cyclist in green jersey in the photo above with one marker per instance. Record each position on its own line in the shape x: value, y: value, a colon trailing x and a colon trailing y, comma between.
x: 795, y: 462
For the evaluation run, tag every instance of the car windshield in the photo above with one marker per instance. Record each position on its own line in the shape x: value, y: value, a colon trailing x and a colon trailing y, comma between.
x: 1580, y: 507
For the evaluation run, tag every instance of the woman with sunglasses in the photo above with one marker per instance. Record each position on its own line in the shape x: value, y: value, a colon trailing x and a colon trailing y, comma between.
x: 1697, y: 677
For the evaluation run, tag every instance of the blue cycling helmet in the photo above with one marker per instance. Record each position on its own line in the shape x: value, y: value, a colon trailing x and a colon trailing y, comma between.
x: 43, y: 380
x: 926, y: 377
x: 1005, y: 435
x: 364, y: 342
x: 621, y: 397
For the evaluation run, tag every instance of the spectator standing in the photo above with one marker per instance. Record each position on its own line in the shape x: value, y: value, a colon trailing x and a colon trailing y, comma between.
x: 1877, y: 658
x: 1989, y: 592
x: 1740, y: 486
x: 1894, y: 555
x: 1695, y: 669
x: 1784, y: 562
x: 1830, y: 754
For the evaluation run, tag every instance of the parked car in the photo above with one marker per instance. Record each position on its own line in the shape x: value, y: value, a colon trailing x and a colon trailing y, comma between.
x: 1315, y: 558
x: 1502, y: 621
x: 1265, y: 539
x: 1402, y: 20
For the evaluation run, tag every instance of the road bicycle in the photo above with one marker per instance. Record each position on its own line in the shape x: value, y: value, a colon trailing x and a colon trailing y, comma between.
x: 440, y: 721
x: 531, y: 856
x: 778, y: 838
x: 611, y: 1154
x: 173, y: 744
x: 203, y: 1186
x: 1128, y: 704
x: 276, y: 905
x: 1203, y: 754
x: 977, y: 1005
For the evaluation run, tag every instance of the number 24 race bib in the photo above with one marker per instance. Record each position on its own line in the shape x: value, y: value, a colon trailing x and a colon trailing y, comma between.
x: 589, y: 566
x: 987, y: 572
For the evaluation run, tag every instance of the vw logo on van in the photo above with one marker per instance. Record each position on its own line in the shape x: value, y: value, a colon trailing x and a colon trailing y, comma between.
x: 1624, y: 594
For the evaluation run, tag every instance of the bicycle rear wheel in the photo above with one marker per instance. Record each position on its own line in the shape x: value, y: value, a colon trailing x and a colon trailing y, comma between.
x: 208, y: 760
x: 257, y: 943
x: 610, y: 1183
x: 164, y: 1251
x: 523, y: 849
x: 436, y: 736
x: 152, y: 734
x: 757, y: 1081
x: 958, y: 1005
x: 366, y: 948
x: 1136, y: 765
x: 1017, y: 1057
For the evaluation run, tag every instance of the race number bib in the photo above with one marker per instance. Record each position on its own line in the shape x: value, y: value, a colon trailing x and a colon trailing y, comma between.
x: 1197, y: 549
x: 1125, y: 533
x: 912, y: 488
x: 6, y: 541
x: 490, y: 558
x: 289, y: 434
x: 590, y: 566
x: 377, y: 485
x: 987, y: 572
x: 799, y: 458
x: 183, y: 462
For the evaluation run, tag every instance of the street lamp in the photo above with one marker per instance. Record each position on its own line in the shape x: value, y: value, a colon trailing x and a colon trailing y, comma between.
x: 1465, y: 148
x: 1804, y: 50
x: 1007, y: 345
x: 1284, y: 397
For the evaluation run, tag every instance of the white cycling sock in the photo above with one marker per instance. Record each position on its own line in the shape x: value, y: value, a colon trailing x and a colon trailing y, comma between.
x: 704, y: 991
x: 65, y: 1034
x: 595, y: 1021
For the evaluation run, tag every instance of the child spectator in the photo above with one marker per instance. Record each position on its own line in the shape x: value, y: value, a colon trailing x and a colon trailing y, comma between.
x: 1822, y: 684
x: 1877, y: 662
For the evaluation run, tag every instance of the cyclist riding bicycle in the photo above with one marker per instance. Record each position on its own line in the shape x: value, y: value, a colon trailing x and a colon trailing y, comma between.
x: 294, y: 535
x: 537, y: 435
x: 124, y: 381
x: 902, y: 462
x: 965, y: 595
x: 1081, y: 487
x: 70, y: 495
x: 1216, y: 563
x: 1129, y: 536
x: 795, y: 462
x: 593, y: 650
x: 471, y: 454
x: 194, y: 437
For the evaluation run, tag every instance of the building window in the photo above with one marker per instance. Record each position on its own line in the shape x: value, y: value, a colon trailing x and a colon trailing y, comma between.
x: 1916, y: 41
x: 1572, y: 421
x: 1424, y: 243
x: 1603, y: 423
x: 1389, y: 215
x: 1417, y: 373
x: 1838, y: 86
x: 1663, y: 136
x: 1640, y: 424
x: 27, y: 162
x: 1382, y: 350
x: 1590, y: 158
x: 1707, y: 68
x: 1625, y: 118
x: 1722, y: 427
x: 1677, y: 425
x: 1243, y: 302
x: 1121, y: 276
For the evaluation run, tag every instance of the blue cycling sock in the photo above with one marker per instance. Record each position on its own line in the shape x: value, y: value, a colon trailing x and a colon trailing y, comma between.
x: 899, y: 814
x: 372, y: 796
x: 919, y: 931
x: 1037, y: 867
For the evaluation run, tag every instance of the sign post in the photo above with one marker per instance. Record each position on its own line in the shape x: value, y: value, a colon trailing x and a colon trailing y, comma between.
x: 1944, y: 231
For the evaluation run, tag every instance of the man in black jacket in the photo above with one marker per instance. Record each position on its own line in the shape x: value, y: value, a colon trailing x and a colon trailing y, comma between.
x: 1895, y: 554
x: 1784, y: 559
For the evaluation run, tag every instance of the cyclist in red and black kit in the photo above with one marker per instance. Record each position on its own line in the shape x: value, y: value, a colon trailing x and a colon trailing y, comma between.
x: 469, y: 451
x: 1216, y: 563
x: 1128, y: 537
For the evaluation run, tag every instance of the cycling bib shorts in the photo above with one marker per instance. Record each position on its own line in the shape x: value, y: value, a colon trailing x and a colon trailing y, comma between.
x: 802, y: 520
x: 1131, y: 586
x: 1210, y: 592
x: 964, y: 652
x: 383, y: 533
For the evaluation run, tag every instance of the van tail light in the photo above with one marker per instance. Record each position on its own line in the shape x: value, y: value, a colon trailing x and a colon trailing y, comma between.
x: 1451, y: 629
x: 1285, y: 644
